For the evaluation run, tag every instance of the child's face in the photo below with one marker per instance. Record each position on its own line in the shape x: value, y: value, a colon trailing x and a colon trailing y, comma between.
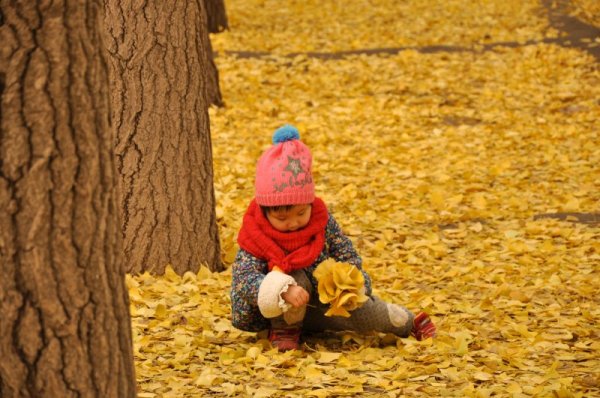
x: 290, y: 220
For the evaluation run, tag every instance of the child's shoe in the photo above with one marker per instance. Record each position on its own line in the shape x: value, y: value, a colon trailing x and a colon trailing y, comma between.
x: 423, y: 328
x: 285, y: 339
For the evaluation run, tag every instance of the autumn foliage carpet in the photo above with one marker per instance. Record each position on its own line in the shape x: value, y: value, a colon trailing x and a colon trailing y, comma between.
x: 440, y: 168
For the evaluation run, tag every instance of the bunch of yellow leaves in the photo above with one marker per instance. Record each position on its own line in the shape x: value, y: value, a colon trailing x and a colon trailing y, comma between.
x: 342, y: 285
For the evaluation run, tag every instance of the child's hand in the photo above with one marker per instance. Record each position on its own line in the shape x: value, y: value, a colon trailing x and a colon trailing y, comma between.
x: 297, y: 296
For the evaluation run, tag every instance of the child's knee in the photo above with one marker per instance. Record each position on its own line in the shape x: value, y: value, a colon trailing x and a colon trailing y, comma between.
x: 401, y: 319
x: 399, y: 316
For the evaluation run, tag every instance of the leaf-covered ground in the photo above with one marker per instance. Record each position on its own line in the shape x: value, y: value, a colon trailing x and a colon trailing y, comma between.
x: 438, y: 166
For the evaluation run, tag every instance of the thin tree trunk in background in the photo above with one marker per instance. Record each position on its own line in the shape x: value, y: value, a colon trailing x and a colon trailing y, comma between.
x: 159, y: 67
x: 216, y: 22
x: 213, y: 90
x: 64, y: 312
x: 217, y: 15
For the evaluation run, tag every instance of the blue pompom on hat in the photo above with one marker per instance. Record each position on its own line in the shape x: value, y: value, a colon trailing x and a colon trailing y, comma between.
x: 285, y: 133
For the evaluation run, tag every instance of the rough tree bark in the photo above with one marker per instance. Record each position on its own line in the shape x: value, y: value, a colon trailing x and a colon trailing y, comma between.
x: 159, y: 67
x: 64, y: 312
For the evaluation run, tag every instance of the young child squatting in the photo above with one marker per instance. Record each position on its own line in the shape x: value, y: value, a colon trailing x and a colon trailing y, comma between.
x: 286, y: 233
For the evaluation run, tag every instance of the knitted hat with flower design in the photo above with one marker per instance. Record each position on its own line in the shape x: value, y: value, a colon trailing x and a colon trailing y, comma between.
x: 283, y: 172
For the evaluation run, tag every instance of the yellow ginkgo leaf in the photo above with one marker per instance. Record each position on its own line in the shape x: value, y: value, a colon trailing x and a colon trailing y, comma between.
x: 337, y: 311
x: 348, y: 277
x: 327, y: 289
x: 347, y: 298
x: 325, y: 268
x: 352, y: 301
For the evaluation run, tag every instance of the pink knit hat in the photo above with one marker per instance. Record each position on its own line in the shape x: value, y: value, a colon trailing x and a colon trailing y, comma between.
x: 283, y: 172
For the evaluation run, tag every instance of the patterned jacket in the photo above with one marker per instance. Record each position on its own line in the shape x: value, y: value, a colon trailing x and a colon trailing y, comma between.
x: 249, y: 272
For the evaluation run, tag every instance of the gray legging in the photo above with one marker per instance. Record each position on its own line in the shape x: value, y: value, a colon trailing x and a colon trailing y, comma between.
x: 373, y: 315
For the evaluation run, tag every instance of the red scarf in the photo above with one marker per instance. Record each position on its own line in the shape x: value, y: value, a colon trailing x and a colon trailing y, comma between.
x: 287, y: 250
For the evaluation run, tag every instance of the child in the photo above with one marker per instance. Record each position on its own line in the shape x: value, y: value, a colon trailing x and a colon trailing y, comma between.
x: 286, y: 232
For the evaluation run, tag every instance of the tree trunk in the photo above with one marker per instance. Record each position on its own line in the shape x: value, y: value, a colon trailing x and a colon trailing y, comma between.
x: 213, y: 90
x: 217, y: 16
x: 216, y: 19
x: 64, y: 327
x: 159, y: 67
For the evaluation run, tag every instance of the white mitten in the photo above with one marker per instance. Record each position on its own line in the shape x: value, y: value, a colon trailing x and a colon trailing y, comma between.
x: 270, y: 302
